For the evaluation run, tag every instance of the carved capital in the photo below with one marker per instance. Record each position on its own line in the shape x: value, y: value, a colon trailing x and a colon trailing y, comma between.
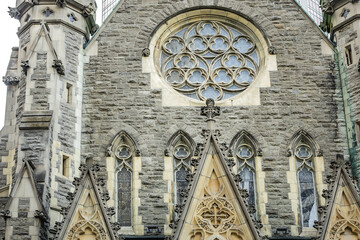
x: 10, y: 80
x: 146, y: 52
x: 137, y: 153
x: 272, y: 50
x: 59, y: 67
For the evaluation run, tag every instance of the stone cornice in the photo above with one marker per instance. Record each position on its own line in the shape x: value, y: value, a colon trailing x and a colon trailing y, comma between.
x: 344, y: 23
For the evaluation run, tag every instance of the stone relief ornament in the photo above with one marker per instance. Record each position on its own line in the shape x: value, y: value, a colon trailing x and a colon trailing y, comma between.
x: 347, y: 221
x: 209, y: 59
x: 215, y: 216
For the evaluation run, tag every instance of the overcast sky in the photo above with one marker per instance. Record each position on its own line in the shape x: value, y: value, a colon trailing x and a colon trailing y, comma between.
x: 8, y: 40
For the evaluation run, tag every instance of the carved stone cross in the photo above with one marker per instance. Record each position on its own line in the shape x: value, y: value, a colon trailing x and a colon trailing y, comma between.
x: 215, y: 215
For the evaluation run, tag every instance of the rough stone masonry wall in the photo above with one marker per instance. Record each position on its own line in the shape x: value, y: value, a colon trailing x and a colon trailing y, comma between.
x: 117, y: 96
x: 67, y: 118
x: 40, y: 92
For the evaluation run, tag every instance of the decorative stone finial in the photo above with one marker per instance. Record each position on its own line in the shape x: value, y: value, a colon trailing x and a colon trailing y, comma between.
x: 210, y: 111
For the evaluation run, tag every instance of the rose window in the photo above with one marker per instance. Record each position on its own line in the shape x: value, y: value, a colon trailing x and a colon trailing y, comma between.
x: 209, y: 59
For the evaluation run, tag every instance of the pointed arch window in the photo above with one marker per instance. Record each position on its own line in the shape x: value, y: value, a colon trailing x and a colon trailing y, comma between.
x: 180, y: 147
x: 182, y: 167
x: 124, y: 174
x: 304, y: 156
x: 245, y: 153
x: 123, y: 151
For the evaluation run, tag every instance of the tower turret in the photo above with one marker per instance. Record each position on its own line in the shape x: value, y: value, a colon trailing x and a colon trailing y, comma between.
x: 43, y: 120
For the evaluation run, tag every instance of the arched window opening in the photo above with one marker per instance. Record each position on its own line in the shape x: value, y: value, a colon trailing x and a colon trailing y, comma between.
x: 181, y: 156
x: 245, y: 153
x: 123, y: 150
x: 304, y: 156
x: 180, y: 148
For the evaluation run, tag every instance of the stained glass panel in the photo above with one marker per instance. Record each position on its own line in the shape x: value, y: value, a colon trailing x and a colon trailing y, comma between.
x: 124, y: 197
x: 181, y: 183
x: 307, y: 197
x: 248, y: 183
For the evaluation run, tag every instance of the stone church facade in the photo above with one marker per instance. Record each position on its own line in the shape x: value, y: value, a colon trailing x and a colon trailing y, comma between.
x: 191, y: 119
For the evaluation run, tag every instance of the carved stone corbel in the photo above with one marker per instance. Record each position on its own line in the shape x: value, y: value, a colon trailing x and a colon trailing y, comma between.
x: 59, y: 67
x: 10, y: 80
x: 25, y: 66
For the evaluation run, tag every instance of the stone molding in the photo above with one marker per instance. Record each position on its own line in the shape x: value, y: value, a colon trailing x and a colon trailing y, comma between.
x: 36, y: 120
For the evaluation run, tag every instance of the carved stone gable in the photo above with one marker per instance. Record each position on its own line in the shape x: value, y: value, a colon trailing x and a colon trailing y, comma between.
x: 87, y: 217
x: 340, y: 218
x: 345, y: 216
x: 214, y: 208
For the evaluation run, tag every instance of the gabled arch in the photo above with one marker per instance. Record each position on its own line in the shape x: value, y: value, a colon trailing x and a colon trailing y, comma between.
x: 123, y: 138
x: 302, y: 135
x: 245, y: 134
x: 123, y: 165
x: 305, y: 176
x: 176, y: 137
x: 180, y: 148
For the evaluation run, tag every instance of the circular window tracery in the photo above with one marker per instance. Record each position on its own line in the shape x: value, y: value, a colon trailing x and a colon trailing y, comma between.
x: 209, y: 59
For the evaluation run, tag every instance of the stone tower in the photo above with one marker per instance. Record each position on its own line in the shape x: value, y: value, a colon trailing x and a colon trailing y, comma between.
x: 41, y: 138
x: 342, y: 21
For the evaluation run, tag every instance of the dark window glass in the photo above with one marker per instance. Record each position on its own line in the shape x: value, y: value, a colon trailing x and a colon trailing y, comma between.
x: 307, y: 195
x: 248, y: 183
x: 181, y: 183
x: 124, y: 197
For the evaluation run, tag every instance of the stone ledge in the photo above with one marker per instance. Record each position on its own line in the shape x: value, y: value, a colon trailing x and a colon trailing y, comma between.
x: 36, y: 120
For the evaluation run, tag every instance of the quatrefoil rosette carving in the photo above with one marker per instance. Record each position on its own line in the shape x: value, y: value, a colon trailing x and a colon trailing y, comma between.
x: 209, y: 59
x: 215, y: 215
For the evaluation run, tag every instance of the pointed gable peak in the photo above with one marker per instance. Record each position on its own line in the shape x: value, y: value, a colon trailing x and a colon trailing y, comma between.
x: 26, y: 186
x: 87, y: 213
x: 340, y: 218
x: 214, y: 206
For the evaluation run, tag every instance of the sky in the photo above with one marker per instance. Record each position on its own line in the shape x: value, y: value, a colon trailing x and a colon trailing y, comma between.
x: 8, y: 40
